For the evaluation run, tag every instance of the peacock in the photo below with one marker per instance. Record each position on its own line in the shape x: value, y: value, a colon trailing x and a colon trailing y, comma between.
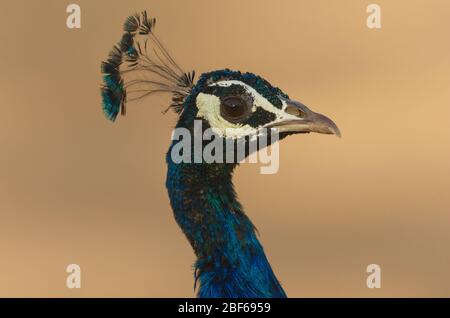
x: 237, y: 106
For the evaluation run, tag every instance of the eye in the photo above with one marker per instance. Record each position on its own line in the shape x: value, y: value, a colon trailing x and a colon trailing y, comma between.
x: 234, y: 108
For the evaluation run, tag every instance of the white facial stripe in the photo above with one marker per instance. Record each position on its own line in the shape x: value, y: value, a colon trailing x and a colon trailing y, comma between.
x: 209, y: 109
x: 259, y: 100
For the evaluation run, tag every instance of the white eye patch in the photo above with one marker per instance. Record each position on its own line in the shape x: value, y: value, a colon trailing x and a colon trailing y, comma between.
x: 209, y: 109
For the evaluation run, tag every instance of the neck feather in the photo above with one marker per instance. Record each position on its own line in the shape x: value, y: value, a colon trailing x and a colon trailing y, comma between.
x: 230, y: 259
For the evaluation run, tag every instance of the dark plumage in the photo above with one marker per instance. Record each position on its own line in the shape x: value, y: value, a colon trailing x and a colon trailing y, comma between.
x: 230, y: 260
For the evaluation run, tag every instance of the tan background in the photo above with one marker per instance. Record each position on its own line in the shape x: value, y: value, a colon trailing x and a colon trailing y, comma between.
x: 75, y: 188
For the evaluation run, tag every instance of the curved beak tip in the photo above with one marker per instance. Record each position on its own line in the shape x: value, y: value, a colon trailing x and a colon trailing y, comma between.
x: 335, y: 131
x: 325, y: 125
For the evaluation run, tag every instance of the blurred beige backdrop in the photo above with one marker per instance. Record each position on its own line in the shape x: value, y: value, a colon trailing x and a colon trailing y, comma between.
x: 75, y: 188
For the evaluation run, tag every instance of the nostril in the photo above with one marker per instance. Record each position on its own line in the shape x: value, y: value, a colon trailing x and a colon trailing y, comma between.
x: 294, y: 111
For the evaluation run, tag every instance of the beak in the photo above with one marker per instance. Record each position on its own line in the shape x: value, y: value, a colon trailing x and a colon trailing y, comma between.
x: 304, y: 120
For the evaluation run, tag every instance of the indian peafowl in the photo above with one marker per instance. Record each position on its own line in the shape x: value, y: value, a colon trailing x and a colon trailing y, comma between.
x: 230, y: 259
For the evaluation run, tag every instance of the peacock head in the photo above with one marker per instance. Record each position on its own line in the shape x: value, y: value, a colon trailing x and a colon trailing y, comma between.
x: 237, y: 105
x: 232, y: 104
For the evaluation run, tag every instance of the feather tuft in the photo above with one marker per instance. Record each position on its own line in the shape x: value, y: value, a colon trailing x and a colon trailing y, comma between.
x: 132, y: 23
x: 139, y: 66
x: 113, y: 93
x: 126, y: 42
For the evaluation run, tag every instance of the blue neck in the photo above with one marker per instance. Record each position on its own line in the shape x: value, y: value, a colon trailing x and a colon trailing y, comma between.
x: 230, y: 259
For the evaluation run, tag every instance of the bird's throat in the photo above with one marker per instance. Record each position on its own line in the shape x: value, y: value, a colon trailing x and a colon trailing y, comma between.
x: 230, y: 259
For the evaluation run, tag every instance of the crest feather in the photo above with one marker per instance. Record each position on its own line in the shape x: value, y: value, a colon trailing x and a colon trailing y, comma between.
x: 139, y: 66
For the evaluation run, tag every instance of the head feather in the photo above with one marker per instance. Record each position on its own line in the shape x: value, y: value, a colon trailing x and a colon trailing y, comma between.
x: 139, y: 66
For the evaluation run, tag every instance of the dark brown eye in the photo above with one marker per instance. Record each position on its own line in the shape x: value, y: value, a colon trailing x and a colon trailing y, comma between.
x: 234, y: 108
